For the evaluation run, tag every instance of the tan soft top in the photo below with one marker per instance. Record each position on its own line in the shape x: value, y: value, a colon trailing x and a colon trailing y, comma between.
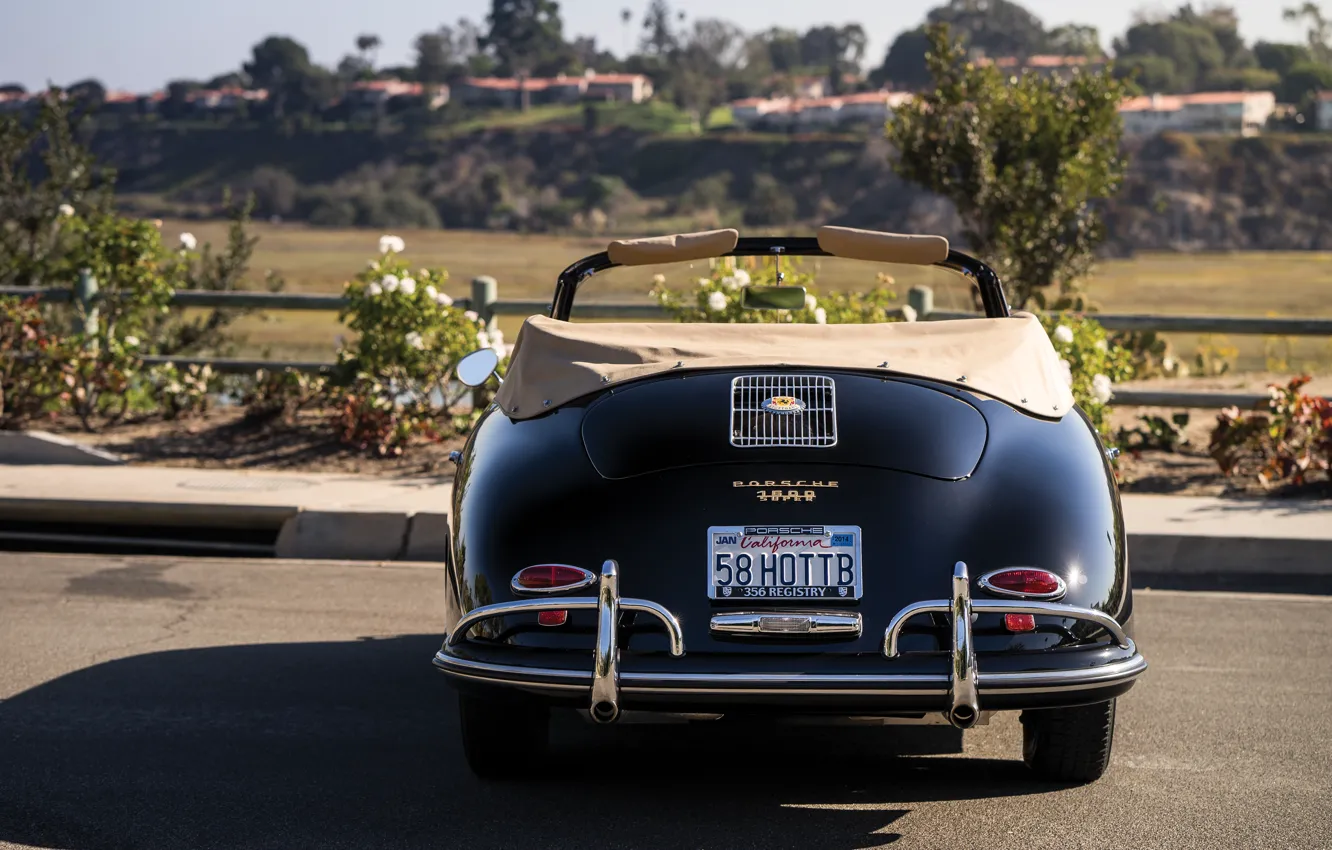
x: 1010, y: 359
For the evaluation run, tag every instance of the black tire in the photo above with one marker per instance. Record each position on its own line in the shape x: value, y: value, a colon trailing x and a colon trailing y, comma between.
x: 502, y: 739
x: 1069, y: 744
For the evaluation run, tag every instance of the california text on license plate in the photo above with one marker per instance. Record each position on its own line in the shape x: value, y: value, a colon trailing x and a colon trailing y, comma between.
x: 784, y: 562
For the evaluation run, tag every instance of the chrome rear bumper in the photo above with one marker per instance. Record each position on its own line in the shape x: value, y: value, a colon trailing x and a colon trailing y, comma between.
x: 961, y: 692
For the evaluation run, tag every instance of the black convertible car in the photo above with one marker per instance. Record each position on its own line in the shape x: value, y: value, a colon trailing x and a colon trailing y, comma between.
x: 904, y: 522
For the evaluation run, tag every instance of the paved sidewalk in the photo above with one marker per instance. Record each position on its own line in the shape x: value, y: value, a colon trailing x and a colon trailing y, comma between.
x: 314, y: 515
x: 380, y: 518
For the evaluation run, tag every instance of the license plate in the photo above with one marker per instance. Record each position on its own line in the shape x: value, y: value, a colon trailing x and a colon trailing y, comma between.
x: 784, y: 562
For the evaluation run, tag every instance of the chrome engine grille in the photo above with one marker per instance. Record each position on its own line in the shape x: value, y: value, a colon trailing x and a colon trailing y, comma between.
x: 814, y: 427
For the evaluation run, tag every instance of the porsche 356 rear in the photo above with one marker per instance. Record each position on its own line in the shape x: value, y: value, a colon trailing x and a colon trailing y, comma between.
x: 906, y: 521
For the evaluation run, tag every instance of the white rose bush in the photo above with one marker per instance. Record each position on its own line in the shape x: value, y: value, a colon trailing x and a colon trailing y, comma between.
x: 393, y: 382
x: 1091, y: 365
x: 718, y: 297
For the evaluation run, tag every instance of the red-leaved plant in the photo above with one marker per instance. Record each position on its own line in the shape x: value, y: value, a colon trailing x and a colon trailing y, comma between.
x: 1283, y: 444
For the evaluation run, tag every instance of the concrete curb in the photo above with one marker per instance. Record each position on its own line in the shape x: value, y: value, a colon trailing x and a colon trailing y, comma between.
x: 38, y: 448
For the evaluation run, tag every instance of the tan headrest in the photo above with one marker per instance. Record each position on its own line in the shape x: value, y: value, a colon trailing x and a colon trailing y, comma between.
x: 676, y: 248
x: 882, y: 247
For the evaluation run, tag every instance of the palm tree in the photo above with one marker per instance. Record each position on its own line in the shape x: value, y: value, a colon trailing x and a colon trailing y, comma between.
x: 626, y: 16
x: 368, y: 43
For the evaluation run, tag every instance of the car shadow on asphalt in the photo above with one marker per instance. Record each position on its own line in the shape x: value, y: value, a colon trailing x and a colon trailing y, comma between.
x: 355, y: 744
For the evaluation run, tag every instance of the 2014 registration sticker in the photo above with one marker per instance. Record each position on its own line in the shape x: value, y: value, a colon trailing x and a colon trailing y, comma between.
x: 784, y: 562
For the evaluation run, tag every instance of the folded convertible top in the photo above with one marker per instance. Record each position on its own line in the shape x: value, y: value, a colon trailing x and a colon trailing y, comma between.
x: 1010, y: 359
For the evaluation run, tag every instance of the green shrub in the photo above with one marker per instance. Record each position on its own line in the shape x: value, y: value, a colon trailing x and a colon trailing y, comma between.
x: 1092, y: 366
x: 1283, y: 444
x: 32, y: 375
x: 394, y: 376
x: 717, y: 298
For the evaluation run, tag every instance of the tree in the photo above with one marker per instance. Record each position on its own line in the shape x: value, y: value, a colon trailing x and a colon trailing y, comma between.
x: 1319, y: 32
x: 1303, y: 81
x: 658, y: 36
x: 45, y: 173
x: 1074, y: 40
x: 1280, y: 58
x: 526, y: 37
x: 1024, y: 162
x: 90, y: 92
x: 12, y: 88
x: 434, y: 56
x: 367, y: 45
x: 998, y: 27
x: 904, y: 65
x: 282, y: 66
x: 1191, y: 47
x: 626, y: 18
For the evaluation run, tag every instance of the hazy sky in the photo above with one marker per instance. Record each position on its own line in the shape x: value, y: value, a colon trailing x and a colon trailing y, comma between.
x: 140, y: 44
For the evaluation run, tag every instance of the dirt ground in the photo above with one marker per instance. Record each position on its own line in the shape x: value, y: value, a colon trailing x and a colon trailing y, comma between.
x: 224, y: 439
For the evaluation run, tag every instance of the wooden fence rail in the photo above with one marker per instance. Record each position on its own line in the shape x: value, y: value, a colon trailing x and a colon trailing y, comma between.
x: 486, y: 302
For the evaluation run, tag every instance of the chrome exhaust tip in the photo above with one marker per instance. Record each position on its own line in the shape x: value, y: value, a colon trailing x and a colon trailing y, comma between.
x: 963, y: 716
x: 605, y: 711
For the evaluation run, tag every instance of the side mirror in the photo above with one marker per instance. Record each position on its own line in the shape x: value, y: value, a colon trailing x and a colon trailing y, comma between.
x: 476, y: 368
x: 773, y: 298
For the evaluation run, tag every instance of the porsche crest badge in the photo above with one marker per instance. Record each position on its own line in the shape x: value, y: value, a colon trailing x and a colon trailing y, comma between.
x: 783, y: 404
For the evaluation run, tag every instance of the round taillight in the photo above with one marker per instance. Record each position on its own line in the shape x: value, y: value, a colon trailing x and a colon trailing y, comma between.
x: 551, y: 578
x: 1024, y: 582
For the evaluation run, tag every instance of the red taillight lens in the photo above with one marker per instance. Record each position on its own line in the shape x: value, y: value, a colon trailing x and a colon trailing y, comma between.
x: 547, y: 577
x: 1020, y: 622
x: 552, y: 618
x: 1024, y: 582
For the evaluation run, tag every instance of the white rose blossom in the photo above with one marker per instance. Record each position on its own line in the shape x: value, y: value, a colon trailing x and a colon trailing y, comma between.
x: 443, y: 300
x: 659, y: 280
x: 389, y: 282
x: 431, y: 292
x: 1063, y: 334
x: 407, y: 286
x: 1168, y: 363
x: 908, y: 313
x: 1101, y: 345
x: 391, y: 244
x: 482, y: 339
x: 820, y: 316
x: 472, y: 316
x: 810, y: 302
x: 717, y: 302
x: 742, y: 276
x: 373, y: 289
x: 414, y: 340
x: 188, y: 242
x: 1101, y: 388
x: 731, y: 282
x: 66, y: 210
x: 1067, y: 372
x: 132, y: 341
x: 497, y: 335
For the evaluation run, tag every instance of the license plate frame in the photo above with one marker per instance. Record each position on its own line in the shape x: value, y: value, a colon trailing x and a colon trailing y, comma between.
x: 774, y: 543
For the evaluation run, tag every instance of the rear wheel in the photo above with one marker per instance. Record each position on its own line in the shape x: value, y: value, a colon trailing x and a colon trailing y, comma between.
x: 1069, y: 744
x: 502, y: 739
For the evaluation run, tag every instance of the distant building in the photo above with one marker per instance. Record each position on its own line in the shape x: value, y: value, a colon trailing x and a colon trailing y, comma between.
x: 783, y: 113
x: 229, y: 99
x: 505, y: 92
x: 1324, y: 111
x: 624, y: 88
x: 1047, y: 65
x: 1229, y: 113
x: 15, y: 101
x: 369, y: 98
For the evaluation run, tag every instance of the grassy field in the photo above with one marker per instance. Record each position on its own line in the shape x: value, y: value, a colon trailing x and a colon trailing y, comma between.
x: 1240, y: 284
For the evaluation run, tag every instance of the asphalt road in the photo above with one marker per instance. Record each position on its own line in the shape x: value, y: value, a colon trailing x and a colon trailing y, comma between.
x: 163, y: 703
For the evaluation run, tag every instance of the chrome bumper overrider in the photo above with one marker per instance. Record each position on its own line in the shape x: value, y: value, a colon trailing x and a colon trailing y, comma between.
x: 963, y: 685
